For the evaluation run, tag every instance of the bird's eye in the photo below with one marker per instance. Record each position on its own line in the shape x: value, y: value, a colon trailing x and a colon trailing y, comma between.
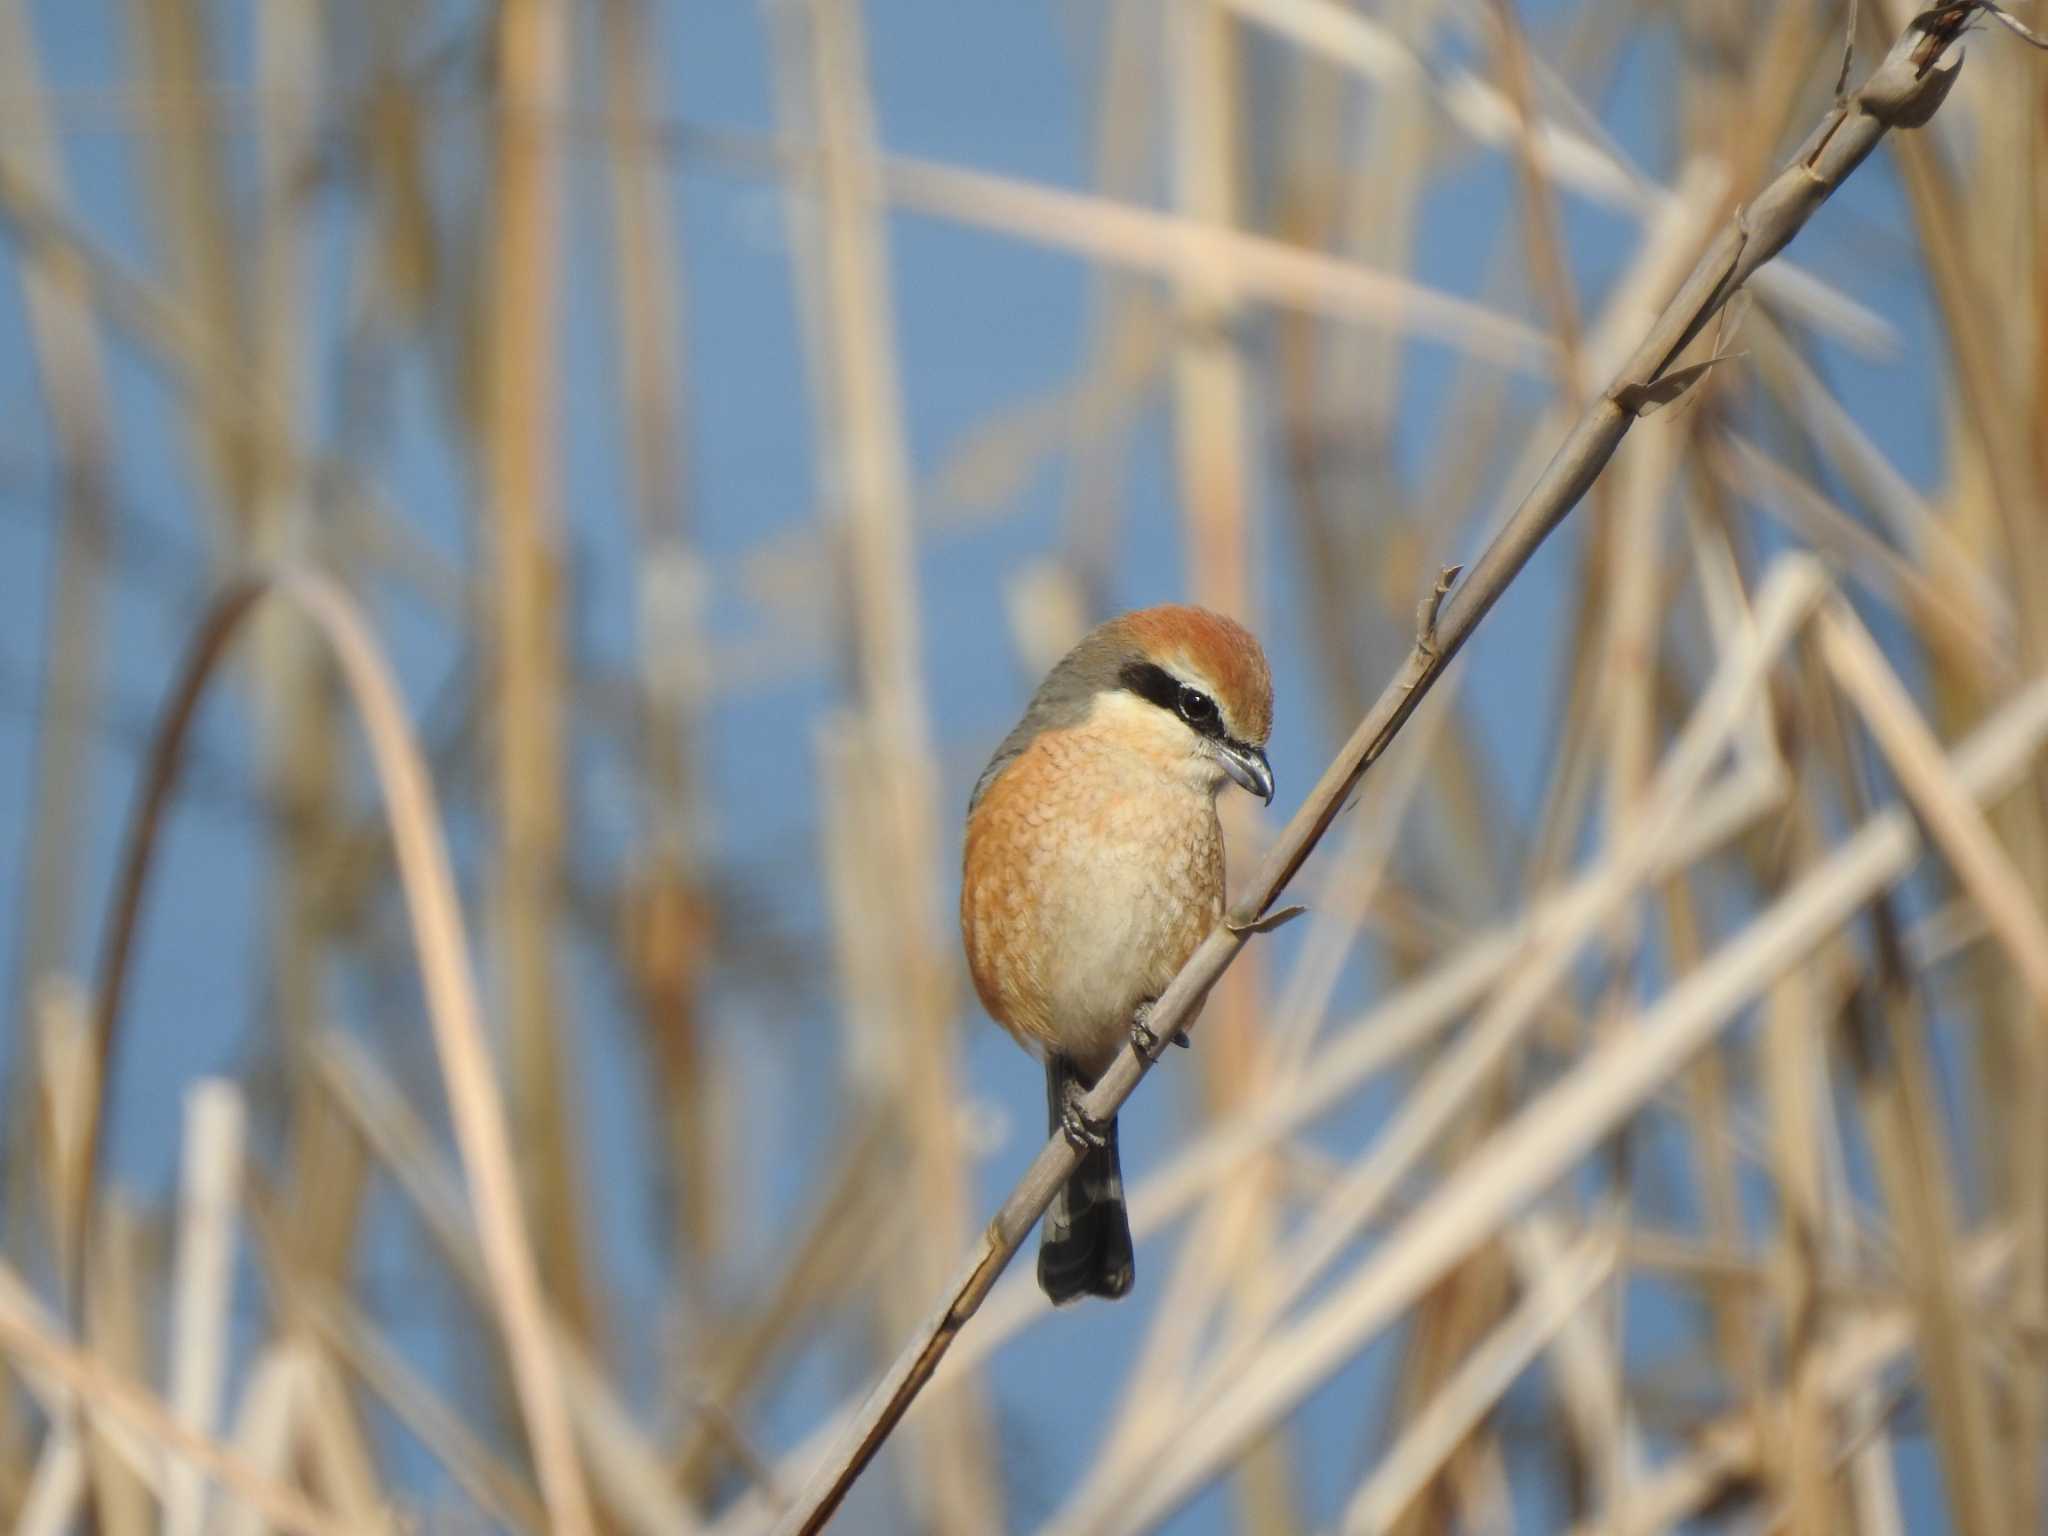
x: 1196, y: 707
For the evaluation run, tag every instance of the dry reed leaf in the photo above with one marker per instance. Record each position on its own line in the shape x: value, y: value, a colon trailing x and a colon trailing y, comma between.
x: 1648, y: 399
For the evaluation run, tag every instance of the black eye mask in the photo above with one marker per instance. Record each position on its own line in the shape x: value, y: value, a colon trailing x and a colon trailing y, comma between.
x: 1156, y: 685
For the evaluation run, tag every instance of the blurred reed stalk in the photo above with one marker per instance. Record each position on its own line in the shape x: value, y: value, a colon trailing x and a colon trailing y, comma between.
x: 520, y: 363
x: 668, y: 916
x: 1206, y: 150
x: 71, y: 369
x: 898, y: 986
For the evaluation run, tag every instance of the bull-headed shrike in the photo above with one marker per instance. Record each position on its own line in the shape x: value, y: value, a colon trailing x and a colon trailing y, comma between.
x: 1093, y: 869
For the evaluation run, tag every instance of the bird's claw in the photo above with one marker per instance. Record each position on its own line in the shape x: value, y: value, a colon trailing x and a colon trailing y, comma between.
x: 1145, y: 1039
x: 1083, y: 1131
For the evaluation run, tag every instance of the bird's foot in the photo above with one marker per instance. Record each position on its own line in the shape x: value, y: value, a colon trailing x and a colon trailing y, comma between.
x: 1145, y: 1039
x: 1082, y: 1130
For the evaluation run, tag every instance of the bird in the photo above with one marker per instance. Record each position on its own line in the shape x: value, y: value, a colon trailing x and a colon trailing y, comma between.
x: 1093, y: 868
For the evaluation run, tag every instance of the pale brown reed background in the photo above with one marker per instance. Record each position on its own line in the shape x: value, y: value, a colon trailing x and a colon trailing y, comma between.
x: 1799, y: 1286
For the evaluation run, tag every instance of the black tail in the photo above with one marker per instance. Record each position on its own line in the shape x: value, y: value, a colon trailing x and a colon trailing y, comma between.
x: 1084, y: 1248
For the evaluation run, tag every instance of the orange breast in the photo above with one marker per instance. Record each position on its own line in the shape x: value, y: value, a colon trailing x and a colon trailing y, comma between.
x: 1090, y: 877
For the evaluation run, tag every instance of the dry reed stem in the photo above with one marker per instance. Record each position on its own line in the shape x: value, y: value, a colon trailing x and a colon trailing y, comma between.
x: 819, y: 1262
x: 1915, y: 526
x: 66, y: 1092
x: 1905, y: 89
x: 442, y: 948
x: 318, y: 1307
x: 628, y: 1467
x: 1955, y: 824
x: 1141, y: 239
x: 267, y: 1427
x: 1738, y: 1349
x: 54, y: 1501
x: 297, y: 732
x: 203, y: 1288
x: 1208, y: 375
x: 1585, y: 1362
x: 1792, y: 1066
x: 1789, y: 498
x: 72, y: 369
x: 1214, y: 479
x: 110, y: 1439
x: 2003, y: 896
x: 1986, y: 272
x: 1353, y: 376
x: 1730, y: 1451
x: 1873, y: 1492
x: 1726, y: 608
x: 668, y: 951
x: 1479, y: 1382
x: 338, y: 1460
x: 1748, y: 1268
x: 1125, y: 333
x: 1794, y: 1078
x: 103, y: 1391
x: 1980, y: 372
x: 117, y: 1332
x: 1542, y: 241
x: 903, y: 1005
x: 176, y: 340
x: 1885, y: 1035
x: 522, y: 536
x: 1585, y: 162
x: 203, y: 251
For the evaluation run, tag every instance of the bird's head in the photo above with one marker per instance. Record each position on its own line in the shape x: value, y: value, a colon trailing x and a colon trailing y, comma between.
x: 1192, y: 687
x: 1187, y: 688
